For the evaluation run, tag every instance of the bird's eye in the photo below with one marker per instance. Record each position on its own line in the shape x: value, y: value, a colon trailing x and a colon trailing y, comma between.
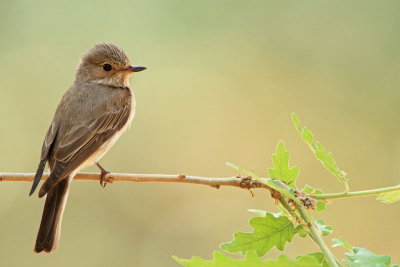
x: 107, y: 67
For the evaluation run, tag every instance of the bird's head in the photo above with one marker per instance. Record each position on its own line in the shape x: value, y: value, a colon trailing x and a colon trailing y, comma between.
x: 106, y: 64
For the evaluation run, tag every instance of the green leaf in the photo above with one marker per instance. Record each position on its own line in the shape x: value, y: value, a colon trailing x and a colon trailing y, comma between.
x: 252, y: 260
x: 262, y: 213
x: 269, y: 232
x: 307, y: 136
x: 221, y: 260
x: 325, y: 229
x: 296, y: 121
x: 389, y: 197
x: 302, y: 232
x: 364, y: 258
x: 324, y: 156
x: 327, y: 160
x: 258, y: 212
x: 337, y: 242
x: 311, y: 260
x: 320, y: 257
x: 281, y: 170
x: 321, y: 205
x: 249, y: 173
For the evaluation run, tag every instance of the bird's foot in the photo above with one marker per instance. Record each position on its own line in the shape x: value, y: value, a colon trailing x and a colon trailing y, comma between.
x: 104, y: 176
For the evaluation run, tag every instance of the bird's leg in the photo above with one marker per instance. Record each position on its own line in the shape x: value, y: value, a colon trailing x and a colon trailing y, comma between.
x: 103, y: 175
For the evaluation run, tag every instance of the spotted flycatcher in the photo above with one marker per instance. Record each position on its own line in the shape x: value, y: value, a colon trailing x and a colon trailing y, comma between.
x: 92, y: 115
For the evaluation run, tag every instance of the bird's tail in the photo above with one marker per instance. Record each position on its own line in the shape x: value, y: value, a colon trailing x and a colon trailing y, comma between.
x: 48, y: 236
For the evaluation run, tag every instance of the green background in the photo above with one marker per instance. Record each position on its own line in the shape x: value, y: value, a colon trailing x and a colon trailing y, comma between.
x: 223, y: 78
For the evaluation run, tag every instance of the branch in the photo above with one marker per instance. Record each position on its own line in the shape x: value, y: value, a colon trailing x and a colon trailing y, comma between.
x: 316, y: 236
x: 356, y: 193
x: 241, y: 182
x: 306, y: 220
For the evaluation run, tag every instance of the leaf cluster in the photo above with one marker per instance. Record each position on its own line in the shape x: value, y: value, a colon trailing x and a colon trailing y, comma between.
x: 277, y: 230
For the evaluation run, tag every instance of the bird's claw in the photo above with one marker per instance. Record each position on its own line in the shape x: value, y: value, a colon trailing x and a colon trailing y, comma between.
x: 104, y: 178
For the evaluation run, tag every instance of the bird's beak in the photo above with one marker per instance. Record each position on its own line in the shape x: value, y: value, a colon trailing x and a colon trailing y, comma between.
x: 136, y: 68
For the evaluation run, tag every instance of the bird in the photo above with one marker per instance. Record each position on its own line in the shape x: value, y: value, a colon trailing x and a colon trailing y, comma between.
x: 92, y: 114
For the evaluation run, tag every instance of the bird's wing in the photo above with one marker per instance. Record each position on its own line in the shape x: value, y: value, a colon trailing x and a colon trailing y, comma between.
x: 82, y: 140
x: 46, y: 147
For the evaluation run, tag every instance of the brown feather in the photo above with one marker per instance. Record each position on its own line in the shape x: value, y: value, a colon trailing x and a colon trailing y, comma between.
x: 83, y: 138
x: 47, y: 238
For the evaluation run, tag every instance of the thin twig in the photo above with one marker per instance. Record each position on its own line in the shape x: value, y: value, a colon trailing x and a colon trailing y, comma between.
x: 357, y: 193
x: 241, y: 182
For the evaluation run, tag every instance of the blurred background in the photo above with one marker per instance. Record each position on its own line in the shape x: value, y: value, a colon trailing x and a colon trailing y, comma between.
x: 223, y: 78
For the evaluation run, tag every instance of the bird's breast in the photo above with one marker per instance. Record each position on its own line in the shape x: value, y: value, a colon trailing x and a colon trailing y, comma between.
x: 99, y: 153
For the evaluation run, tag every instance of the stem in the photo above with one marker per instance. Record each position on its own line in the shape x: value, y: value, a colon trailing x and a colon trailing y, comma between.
x: 291, y: 211
x: 305, y: 219
x: 356, y: 193
x: 317, y: 237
